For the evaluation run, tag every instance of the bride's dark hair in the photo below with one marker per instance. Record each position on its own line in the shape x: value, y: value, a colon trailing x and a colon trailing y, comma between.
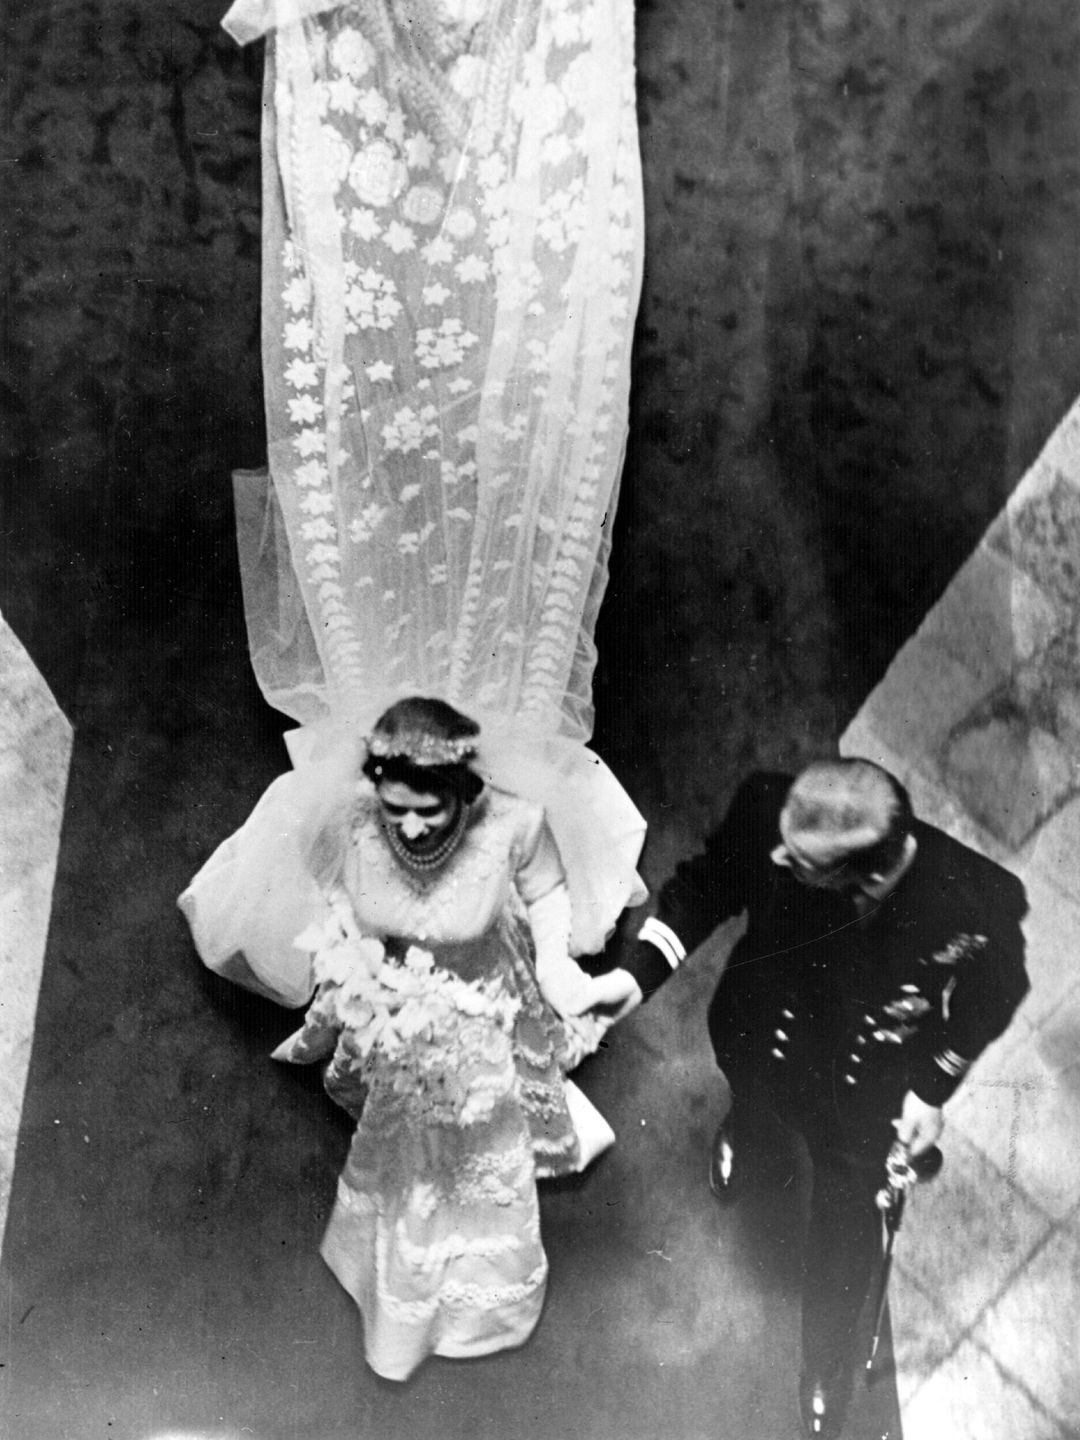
x: 426, y: 744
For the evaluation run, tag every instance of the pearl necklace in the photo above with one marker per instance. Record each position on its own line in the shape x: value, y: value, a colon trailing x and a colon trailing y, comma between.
x: 428, y: 861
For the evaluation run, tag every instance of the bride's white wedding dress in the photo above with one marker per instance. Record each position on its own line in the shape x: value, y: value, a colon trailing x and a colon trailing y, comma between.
x: 452, y: 260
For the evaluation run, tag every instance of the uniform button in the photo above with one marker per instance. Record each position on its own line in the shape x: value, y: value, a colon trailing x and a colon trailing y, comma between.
x: 780, y: 1035
x: 856, y: 1059
x: 860, y: 1039
x: 779, y: 1054
x: 850, y: 1079
x: 869, y: 1020
x: 910, y: 989
x: 788, y: 1014
x: 879, y: 1035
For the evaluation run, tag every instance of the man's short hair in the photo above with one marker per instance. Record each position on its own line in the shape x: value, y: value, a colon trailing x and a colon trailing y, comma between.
x: 853, y: 810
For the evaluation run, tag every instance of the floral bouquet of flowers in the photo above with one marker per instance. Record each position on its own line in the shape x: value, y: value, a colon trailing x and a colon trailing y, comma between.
x: 440, y: 1045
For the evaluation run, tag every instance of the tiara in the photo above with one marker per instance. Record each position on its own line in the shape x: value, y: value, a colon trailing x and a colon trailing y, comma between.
x: 422, y: 748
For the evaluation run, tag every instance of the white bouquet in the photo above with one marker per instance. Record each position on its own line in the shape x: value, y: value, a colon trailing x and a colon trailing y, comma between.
x: 440, y: 1044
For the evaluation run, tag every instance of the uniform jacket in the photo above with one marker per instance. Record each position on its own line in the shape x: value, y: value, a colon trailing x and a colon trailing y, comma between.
x: 835, y: 1014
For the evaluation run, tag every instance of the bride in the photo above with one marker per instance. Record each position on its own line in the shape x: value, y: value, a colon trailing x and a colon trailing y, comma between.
x: 452, y: 250
x: 445, y: 1007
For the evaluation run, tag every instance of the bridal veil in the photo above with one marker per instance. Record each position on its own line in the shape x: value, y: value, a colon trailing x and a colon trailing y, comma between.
x: 452, y: 227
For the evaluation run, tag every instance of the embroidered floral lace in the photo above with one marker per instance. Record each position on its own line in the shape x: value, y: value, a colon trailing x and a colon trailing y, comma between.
x: 452, y: 263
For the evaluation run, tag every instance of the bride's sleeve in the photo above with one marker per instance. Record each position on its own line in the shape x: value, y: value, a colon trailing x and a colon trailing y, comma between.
x: 539, y: 868
x: 256, y: 894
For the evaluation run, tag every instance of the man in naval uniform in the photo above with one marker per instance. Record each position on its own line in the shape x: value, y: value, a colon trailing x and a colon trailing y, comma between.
x: 880, y: 958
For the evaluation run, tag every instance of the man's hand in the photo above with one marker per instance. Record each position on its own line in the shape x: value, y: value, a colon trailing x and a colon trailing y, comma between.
x: 618, y: 990
x: 582, y: 1035
x: 920, y: 1125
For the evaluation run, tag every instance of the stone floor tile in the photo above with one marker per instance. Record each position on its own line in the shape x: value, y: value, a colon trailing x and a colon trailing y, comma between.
x: 24, y: 914
x: 925, y: 693
x: 1042, y: 518
x: 35, y: 751
x: 982, y: 618
x: 1052, y: 855
x: 1052, y: 931
x: 967, y: 1233
x: 1032, y: 1330
x: 971, y: 1398
x: 923, y: 1334
x: 1025, y: 1119
x: 1057, y: 1042
x: 1009, y: 772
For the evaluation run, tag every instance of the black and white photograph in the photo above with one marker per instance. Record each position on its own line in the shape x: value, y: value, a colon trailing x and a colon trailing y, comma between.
x: 540, y: 720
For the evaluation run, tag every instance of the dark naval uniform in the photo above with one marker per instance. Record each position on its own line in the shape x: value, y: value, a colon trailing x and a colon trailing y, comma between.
x: 828, y: 1016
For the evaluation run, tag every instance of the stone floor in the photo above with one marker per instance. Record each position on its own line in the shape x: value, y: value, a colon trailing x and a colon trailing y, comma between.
x: 979, y: 714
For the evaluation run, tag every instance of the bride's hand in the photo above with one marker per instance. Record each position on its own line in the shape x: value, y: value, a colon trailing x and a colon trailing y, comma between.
x: 582, y: 1034
x: 565, y: 987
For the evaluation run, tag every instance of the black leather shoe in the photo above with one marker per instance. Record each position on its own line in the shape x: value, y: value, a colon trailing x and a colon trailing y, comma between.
x: 823, y: 1402
x: 722, y: 1170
